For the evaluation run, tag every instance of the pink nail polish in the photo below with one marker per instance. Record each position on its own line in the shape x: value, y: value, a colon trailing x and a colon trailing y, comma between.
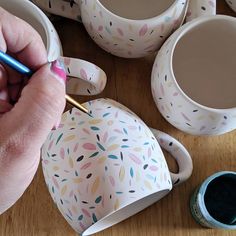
x: 56, y: 126
x: 58, y: 69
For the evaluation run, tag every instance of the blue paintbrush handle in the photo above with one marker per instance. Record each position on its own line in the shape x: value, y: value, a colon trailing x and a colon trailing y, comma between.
x: 14, y: 64
x: 22, y: 69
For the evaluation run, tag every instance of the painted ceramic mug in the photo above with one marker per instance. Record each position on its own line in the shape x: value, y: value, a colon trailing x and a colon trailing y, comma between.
x: 193, y: 77
x: 130, y: 34
x: 213, y: 204
x: 84, y: 78
x: 104, y: 168
x: 232, y: 4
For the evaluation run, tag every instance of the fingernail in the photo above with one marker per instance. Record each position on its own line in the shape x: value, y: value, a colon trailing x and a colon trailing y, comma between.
x: 58, y: 69
x: 56, y: 126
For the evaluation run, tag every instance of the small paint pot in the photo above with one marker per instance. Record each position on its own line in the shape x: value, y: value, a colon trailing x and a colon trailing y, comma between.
x: 213, y: 204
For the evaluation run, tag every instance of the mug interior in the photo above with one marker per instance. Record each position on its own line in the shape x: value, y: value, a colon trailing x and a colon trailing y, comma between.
x: 29, y: 13
x: 220, y: 199
x: 137, y: 9
x: 204, y: 63
x: 125, y: 212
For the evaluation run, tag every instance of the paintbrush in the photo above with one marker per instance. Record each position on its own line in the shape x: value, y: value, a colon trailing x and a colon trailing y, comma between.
x: 24, y: 70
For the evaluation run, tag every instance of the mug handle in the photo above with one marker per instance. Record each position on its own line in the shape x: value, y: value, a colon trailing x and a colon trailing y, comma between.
x: 179, y: 153
x: 84, y: 78
x: 198, y: 8
x: 65, y: 8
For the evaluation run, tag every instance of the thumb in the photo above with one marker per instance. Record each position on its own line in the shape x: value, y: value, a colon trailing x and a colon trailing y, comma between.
x: 24, y: 129
x: 40, y: 106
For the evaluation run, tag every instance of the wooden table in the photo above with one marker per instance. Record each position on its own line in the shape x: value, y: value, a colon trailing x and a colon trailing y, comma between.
x: 129, y: 83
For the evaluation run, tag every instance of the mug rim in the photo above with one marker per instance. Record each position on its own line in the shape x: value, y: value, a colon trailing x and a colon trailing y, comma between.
x: 183, y: 31
x: 161, y: 193
x: 141, y: 20
x: 201, y: 194
x: 45, y: 23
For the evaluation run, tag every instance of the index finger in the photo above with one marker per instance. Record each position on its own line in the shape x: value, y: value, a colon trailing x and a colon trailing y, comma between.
x: 19, y: 38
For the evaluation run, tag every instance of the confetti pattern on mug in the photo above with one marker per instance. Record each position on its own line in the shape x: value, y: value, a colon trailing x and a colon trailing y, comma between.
x: 84, y: 78
x: 199, y: 8
x: 174, y: 104
x: 65, y: 8
x: 122, y: 37
x: 95, y: 165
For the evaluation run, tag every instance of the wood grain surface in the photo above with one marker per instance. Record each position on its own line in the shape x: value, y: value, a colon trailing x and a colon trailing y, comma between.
x: 129, y: 83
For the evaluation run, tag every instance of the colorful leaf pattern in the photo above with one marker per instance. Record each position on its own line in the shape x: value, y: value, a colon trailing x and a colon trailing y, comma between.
x: 132, y: 39
x: 103, y: 167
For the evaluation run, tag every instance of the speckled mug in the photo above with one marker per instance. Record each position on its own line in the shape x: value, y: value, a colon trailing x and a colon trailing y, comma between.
x: 104, y: 168
x: 84, y: 78
x: 232, y: 4
x: 193, y: 77
x: 125, y: 36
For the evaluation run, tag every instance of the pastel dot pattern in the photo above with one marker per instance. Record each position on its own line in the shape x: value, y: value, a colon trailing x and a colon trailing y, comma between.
x: 95, y: 165
x: 174, y: 104
x: 129, y: 38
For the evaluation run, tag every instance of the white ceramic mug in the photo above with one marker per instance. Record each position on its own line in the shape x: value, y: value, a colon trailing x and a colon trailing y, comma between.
x: 84, y: 78
x: 193, y: 77
x: 232, y: 4
x: 130, y: 33
x: 103, y: 168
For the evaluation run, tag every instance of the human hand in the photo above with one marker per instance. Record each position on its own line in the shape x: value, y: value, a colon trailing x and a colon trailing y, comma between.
x: 27, y: 114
